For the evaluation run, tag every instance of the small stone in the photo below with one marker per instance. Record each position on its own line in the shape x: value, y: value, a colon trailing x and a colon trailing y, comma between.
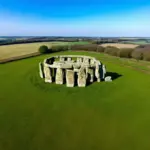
x: 108, y: 79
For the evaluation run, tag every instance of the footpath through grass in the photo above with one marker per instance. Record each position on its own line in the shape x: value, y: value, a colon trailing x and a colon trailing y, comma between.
x: 103, y: 116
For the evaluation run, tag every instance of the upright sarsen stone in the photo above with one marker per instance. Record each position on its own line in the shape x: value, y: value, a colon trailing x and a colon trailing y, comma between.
x: 79, y: 60
x: 91, y: 73
x: 82, y: 77
x: 70, y: 78
x: 104, y: 71
x: 97, y: 71
x: 62, y: 59
x: 86, y: 60
x: 69, y: 59
x: 59, y: 76
x: 41, y: 70
x: 48, y: 74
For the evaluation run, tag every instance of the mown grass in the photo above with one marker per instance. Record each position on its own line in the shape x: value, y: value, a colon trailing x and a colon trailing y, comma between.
x: 103, y: 116
x: 8, y: 51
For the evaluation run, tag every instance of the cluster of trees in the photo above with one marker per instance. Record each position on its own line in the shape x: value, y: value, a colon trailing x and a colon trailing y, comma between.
x: 138, y: 54
x: 11, y: 41
x: 56, y: 48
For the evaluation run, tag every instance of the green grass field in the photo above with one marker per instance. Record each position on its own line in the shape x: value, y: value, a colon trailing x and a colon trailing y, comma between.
x: 8, y: 51
x: 103, y: 116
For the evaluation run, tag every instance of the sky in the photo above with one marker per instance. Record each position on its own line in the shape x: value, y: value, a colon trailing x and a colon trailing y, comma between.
x: 108, y: 18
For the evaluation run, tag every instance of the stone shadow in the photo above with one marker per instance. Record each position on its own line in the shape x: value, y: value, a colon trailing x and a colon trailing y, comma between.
x: 113, y: 75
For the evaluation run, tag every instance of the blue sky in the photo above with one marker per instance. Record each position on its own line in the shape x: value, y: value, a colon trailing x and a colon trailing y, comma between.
x: 75, y: 17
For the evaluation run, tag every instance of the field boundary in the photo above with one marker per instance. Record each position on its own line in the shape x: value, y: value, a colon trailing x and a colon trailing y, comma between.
x: 118, y: 63
x: 2, y: 61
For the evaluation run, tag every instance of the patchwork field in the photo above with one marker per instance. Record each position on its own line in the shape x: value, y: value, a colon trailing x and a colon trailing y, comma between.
x: 103, y: 116
x: 8, y: 51
x: 118, y: 45
x: 139, y: 42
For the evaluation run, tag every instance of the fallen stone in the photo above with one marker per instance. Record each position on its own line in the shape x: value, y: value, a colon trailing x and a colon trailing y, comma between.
x: 108, y: 79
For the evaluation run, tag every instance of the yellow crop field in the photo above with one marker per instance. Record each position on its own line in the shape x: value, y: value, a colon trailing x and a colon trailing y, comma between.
x: 119, y: 45
x: 8, y: 51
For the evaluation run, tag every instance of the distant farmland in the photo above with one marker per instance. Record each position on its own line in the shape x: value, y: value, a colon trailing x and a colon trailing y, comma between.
x: 118, y: 45
x: 9, y: 51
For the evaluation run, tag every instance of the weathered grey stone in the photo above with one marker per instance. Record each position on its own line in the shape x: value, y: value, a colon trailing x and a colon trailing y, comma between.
x: 48, y: 75
x: 41, y: 70
x: 76, y: 67
x: 82, y: 77
x: 108, y: 79
x: 91, y: 73
x: 59, y: 76
x: 62, y: 59
x: 70, y: 78
x: 97, y: 71
x: 79, y: 59
x: 104, y: 71
x: 86, y: 60
x: 92, y: 62
x: 69, y: 59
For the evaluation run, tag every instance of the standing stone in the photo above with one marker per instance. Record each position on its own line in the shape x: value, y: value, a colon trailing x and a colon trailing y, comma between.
x: 41, y: 70
x: 86, y: 60
x: 70, y: 78
x: 48, y: 74
x: 92, y: 62
x: 59, y: 76
x: 97, y: 71
x: 62, y: 59
x: 69, y: 59
x: 82, y: 77
x: 79, y: 59
x: 104, y: 71
x: 86, y: 71
x: 91, y: 72
x: 76, y: 67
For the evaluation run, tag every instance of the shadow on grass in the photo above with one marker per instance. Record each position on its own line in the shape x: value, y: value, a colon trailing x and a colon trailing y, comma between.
x: 113, y: 75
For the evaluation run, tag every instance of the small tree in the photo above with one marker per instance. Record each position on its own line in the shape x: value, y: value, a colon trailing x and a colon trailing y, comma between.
x: 58, y: 48
x: 43, y: 49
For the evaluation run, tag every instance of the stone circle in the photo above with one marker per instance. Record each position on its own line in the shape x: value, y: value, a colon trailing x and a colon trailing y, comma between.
x: 65, y: 68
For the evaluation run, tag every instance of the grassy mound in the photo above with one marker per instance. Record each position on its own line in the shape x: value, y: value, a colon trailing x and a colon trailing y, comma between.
x: 35, y: 115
